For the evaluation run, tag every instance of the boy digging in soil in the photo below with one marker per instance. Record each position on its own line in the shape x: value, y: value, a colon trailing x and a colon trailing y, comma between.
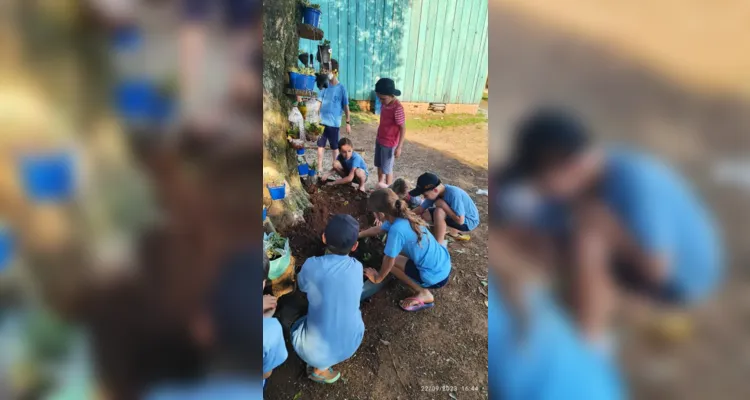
x: 425, y: 264
x: 391, y: 131
x: 401, y: 188
x: 332, y: 330
x: 349, y: 165
x: 448, y: 207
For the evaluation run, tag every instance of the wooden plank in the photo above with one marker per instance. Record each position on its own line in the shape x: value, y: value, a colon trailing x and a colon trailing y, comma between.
x: 439, y: 57
x: 390, y: 34
x: 415, y: 95
x: 482, y: 67
x: 298, y: 92
x: 447, y: 74
x: 307, y: 31
x: 361, y: 50
x: 411, y: 50
x: 472, y: 51
x: 402, y: 29
x: 461, y: 53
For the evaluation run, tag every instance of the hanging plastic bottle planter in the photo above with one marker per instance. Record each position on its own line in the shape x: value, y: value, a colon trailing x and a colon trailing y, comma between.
x: 277, y: 192
x: 265, y: 213
x: 303, y: 169
x: 311, y: 172
x: 48, y: 176
x: 324, y: 52
x: 7, y: 246
x: 311, y: 15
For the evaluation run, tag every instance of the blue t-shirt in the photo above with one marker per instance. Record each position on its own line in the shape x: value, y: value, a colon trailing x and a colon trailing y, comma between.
x: 225, y: 389
x: 333, y: 328
x: 274, y: 349
x: 431, y: 259
x: 461, y: 204
x: 356, y: 161
x: 667, y: 218
x: 548, y: 360
x: 518, y: 204
x: 333, y: 101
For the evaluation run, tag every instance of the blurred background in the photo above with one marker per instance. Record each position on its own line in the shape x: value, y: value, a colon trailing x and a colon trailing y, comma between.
x: 670, y: 78
x: 130, y: 131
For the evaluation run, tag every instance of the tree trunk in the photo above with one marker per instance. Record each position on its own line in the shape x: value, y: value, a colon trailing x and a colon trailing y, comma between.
x: 280, y: 51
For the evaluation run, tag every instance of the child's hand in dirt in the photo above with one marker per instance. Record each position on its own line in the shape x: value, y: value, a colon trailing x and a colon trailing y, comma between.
x: 377, y: 222
x: 269, y: 306
x: 372, y: 275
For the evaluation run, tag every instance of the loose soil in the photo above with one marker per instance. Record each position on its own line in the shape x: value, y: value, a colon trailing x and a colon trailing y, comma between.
x: 403, y: 355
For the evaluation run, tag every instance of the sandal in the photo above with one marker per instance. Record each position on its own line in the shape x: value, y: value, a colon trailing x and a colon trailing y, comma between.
x: 461, y: 237
x: 321, y: 379
x: 420, y: 305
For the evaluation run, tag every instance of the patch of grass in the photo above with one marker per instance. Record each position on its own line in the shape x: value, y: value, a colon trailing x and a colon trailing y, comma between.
x: 486, y: 95
x: 426, y: 121
x: 361, y: 118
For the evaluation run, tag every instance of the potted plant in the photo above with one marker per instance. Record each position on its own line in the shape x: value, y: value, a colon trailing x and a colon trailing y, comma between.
x: 311, y: 170
x: 296, y: 78
x: 309, y: 78
x: 49, y: 176
x: 310, y: 13
x: 324, y: 52
x: 313, y: 131
x: 277, y: 188
x: 277, y: 251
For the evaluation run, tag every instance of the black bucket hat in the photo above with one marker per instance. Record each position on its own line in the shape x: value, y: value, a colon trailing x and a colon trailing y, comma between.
x: 387, y: 86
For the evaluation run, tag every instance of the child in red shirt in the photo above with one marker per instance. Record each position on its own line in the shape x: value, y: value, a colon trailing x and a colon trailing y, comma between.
x: 391, y: 131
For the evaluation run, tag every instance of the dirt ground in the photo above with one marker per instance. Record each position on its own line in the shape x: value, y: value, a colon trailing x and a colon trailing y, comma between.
x: 439, y: 353
x: 628, y: 100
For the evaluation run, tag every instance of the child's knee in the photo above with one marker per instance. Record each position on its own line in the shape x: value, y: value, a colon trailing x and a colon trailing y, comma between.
x: 439, y: 214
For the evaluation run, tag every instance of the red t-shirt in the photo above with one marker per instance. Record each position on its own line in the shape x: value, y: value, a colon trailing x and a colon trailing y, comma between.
x: 391, y: 119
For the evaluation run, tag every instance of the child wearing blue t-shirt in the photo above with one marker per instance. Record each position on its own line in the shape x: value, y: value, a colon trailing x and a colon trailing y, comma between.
x: 448, y: 207
x: 274, y: 349
x: 425, y: 264
x: 349, y: 165
x: 333, y: 329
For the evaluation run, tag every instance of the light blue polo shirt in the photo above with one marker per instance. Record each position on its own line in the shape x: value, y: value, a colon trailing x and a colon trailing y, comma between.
x: 667, y: 218
x: 333, y: 328
x: 274, y: 349
x: 225, y: 389
x: 431, y: 259
x: 461, y: 204
x: 548, y: 359
x: 333, y: 100
x: 356, y: 161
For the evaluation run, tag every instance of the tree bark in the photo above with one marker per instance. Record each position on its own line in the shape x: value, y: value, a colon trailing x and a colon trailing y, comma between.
x: 280, y: 51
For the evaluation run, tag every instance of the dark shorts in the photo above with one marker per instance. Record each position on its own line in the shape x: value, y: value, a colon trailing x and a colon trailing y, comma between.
x: 450, y: 222
x: 632, y: 280
x: 237, y: 13
x: 384, y: 158
x: 330, y: 134
x: 413, y: 273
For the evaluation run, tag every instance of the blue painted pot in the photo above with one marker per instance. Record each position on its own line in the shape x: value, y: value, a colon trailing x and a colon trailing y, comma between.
x: 136, y: 99
x: 265, y: 213
x: 277, y: 192
x: 311, y: 172
x: 297, y: 81
x: 311, y: 16
x: 49, y: 177
x: 300, y: 152
x: 303, y: 169
x: 309, y: 82
x: 6, y: 247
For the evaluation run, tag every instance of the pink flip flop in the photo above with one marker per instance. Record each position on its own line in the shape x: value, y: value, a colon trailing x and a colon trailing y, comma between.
x: 415, y: 307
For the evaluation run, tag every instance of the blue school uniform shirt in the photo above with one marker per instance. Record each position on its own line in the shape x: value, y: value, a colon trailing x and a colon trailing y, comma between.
x: 431, y: 259
x: 666, y: 217
x: 333, y: 100
x: 225, y: 389
x: 356, y: 161
x: 461, y: 204
x: 274, y: 349
x: 333, y: 328
x: 548, y: 360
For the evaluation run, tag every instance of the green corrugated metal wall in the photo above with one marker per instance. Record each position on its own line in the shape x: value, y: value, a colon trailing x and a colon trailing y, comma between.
x: 435, y: 50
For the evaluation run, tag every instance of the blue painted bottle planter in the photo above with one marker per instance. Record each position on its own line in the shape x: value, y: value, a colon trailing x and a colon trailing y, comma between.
x: 300, y: 152
x: 136, y: 99
x: 277, y: 192
x: 311, y: 171
x: 127, y: 38
x: 265, y: 213
x: 297, y: 81
x: 309, y: 82
x: 303, y: 169
x: 49, y: 177
x: 7, y: 247
x: 311, y: 16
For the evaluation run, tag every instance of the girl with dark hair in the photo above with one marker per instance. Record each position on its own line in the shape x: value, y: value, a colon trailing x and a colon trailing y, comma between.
x: 425, y: 264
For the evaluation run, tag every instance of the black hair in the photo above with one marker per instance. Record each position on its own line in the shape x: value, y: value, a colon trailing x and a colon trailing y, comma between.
x: 346, y: 142
x: 338, y: 251
x: 546, y: 139
x: 334, y: 65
